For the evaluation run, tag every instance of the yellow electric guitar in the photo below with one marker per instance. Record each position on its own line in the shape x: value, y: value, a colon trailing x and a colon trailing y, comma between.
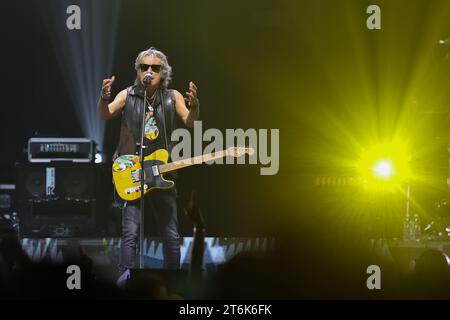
x: 127, y: 169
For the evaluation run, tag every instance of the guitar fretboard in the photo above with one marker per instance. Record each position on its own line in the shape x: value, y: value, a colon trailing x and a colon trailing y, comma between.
x: 191, y: 161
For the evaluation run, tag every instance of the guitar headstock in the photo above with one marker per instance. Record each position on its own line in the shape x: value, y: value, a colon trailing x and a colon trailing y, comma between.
x: 239, y: 151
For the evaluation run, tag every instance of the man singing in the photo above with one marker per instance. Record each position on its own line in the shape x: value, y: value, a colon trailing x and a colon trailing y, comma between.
x: 160, y: 121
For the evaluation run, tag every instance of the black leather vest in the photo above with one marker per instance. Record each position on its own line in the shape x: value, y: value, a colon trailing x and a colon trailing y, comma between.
x: 130, y: 132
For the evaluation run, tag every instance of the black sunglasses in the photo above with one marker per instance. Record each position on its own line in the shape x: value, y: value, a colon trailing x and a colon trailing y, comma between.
x: 155, y: 67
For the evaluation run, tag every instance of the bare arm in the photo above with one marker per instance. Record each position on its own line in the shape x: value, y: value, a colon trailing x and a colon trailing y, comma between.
x: 110, y: 110
x: 188, y: 116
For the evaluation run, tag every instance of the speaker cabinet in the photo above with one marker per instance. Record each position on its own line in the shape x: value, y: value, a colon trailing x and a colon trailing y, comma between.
x: 62, y: 199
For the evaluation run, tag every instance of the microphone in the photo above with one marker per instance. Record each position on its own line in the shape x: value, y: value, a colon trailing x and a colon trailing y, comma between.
x: 147, y: 78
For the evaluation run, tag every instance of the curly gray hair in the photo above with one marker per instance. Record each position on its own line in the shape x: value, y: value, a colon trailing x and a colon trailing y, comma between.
x: 166, y: 69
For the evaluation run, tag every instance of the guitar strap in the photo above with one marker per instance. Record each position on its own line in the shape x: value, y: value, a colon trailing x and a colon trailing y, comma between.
x: 168, y: 110
x: 168, y: 113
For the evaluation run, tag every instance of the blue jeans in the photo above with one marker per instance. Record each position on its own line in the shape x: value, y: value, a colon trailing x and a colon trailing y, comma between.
x: 164, y: 206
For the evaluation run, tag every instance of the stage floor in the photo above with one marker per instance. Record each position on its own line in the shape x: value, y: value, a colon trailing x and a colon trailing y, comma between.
x: 105, y: 251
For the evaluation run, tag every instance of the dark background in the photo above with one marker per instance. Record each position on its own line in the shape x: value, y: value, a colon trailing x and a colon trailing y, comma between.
x: 291, y: 65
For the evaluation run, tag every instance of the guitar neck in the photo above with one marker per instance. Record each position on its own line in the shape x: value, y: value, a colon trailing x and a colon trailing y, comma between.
x: 191, y: 161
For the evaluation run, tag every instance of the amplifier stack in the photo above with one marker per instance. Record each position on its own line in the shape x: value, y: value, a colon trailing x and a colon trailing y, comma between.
x: 60, y: 191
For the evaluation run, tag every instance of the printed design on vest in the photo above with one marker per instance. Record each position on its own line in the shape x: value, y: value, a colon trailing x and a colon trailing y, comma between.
x: 151, y: 130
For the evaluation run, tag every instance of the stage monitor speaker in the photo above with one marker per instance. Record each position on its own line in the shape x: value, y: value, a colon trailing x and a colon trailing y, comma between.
x: 61, y: 199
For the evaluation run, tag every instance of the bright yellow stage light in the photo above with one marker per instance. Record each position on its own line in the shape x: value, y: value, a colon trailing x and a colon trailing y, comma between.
x: 383, y: 169
x: 384, y: 166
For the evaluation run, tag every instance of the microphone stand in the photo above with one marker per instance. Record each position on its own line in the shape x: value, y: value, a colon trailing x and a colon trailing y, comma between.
x: 141, y: 225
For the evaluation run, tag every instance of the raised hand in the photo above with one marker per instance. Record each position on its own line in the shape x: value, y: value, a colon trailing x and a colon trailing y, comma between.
x: 106, y: 88
x: 191, y: 96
